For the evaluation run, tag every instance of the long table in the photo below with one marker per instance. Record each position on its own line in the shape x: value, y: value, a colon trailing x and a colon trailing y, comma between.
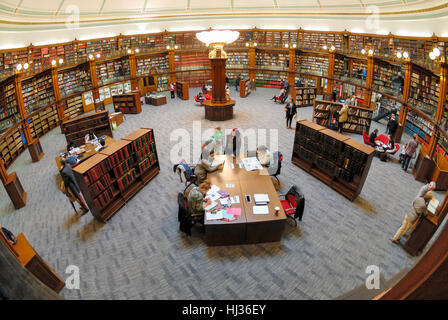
x: 249, y: 227
x: 89, y: 151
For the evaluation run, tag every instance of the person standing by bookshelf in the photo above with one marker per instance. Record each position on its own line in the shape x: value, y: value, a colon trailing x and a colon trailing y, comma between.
x: 172, y: 90
x: 392, y: 125
x: 419, y: 208
x: 334, y: 94
x: 237, y: 82
x: 343, y: 117
x: 71, y: 185
x: 410, y: 149
x: 291, y: 111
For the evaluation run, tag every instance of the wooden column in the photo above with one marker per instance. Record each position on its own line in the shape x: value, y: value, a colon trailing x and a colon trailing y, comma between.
x: 404, y: 110
x: 330, y: 84
x: 369, y: 79
x: 94, y: 79
x: 218, y: 75
x: 440, y: 108
x: 18, y: 86
x: 133, y: 71
x: 172, y: 65
x: 252, y: 65
x: 292, y: 64
x: 57, y: 93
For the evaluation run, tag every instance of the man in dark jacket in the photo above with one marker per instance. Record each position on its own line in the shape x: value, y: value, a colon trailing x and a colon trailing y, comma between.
x: 70, y: 183
x: 392, y: 125
x: 291, y: 111
x: 373, y: 136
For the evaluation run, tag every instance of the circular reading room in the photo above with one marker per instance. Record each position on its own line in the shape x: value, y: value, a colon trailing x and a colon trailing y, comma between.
x: 223, y: 150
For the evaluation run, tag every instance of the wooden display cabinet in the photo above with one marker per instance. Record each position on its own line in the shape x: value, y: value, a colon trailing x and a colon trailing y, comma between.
x: 338, y: 161
x: 245, y: 87
x: 128, y: 103
x: 35, y: 150
x: 182, y: 90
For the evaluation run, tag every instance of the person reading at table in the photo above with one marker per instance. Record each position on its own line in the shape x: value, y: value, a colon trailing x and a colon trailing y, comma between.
x: 72, y: 159
x: 90, y: 137
x: 102, y: 144
x: 373, y: 136
x: 197, y: 201
x: 264, y: 156
x: 207, y: 164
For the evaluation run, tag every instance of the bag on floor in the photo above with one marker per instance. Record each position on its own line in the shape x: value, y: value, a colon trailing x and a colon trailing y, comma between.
x: 383, y: 156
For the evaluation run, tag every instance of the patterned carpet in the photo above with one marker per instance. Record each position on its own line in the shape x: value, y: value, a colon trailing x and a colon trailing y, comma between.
x: 141, y: 254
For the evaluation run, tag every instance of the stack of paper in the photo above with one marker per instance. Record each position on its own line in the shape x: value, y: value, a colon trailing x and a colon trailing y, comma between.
x: 211, y: 206
x: 252, y: 163
x: 261, y: 209
x: 261, y: 198
x: 432, y: 206
x: 213, y: 215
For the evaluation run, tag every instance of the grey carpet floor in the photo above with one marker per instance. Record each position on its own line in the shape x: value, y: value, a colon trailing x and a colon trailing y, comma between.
x: 141, y: 254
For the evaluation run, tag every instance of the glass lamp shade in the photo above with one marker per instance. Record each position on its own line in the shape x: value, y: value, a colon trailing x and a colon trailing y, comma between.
x: 217, y: 36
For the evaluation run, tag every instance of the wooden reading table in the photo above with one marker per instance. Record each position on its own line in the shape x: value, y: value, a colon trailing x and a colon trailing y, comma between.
x: 249, y: 227
x: 89, y: 151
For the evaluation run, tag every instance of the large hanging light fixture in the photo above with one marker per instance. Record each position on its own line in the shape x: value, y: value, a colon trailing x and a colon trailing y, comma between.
x: 217, y: 36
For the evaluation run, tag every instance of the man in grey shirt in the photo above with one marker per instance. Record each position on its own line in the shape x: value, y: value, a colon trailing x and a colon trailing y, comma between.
x: 427, y: 187
x: 419, y: 207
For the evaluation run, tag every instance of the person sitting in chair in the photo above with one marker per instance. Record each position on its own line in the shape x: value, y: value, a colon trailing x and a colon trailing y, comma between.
x: 207, y: 164
x: 8, y: 235
x: 197, y: 201
x: 263, y: 155
x: 200, y: 97
x: 90, y: 137
x: 373, y: 136
x: 281, y: 97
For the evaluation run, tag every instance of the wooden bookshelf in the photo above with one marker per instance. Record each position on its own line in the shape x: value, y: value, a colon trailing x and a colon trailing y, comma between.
x: 77, y: 128
x: 43, y: 120
x: 423, y: 127
x: 73, y: 107
x: 12, y: 144
x: 359, y: 117
x: 310, y: 63
x: 338, y: 161
x: 182, y: 90
x: 159, y: 63
x: 9, y: 107
x: 304, y: 96
x: 109, y: 179
x: 237, y: 60
x: 272, y: 60
x: 128, y: 103
x: 74, y: 80
x: 245, y: 87
x: 424, y: 90
x: 109, y: 71
x: 387, y: 77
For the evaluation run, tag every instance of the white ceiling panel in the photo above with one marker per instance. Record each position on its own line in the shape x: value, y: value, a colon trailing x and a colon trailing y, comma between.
x: 167, y: 4
x: 207, y: 4
x: 253, y: 3
x: 33, y: 5
x: 82, y: 5
x: 120, y: 5
x: 295, y: 3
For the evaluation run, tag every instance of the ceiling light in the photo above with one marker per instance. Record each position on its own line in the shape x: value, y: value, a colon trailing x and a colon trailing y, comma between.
x: 432, y: 55
x: 19, y: 67
x: 25, y: 66
x: 286, y: 45
x: 294, y: 45
x: 168, y: 47
x: 370, y: 51
x: 90, y: 56
x: 217, y: 36
x: 176, y: 46
x: 61, y: 61
x: 129, y: 51
x: 399, y: 55
x: 325, y: 47
x: 436, y: 52
x: 405, y: 54
x: 98, y: 55
x: 53, y: 63
x: 363, y: 51
x: 255, y: 44
x: 332, y: 48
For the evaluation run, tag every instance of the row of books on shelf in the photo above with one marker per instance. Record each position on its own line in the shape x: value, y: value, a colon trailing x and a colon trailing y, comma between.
x: 101, y: 184
x: 160, y: 64
x: 147, y: 163
x: 127, y: 179
x: 102, y: 200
